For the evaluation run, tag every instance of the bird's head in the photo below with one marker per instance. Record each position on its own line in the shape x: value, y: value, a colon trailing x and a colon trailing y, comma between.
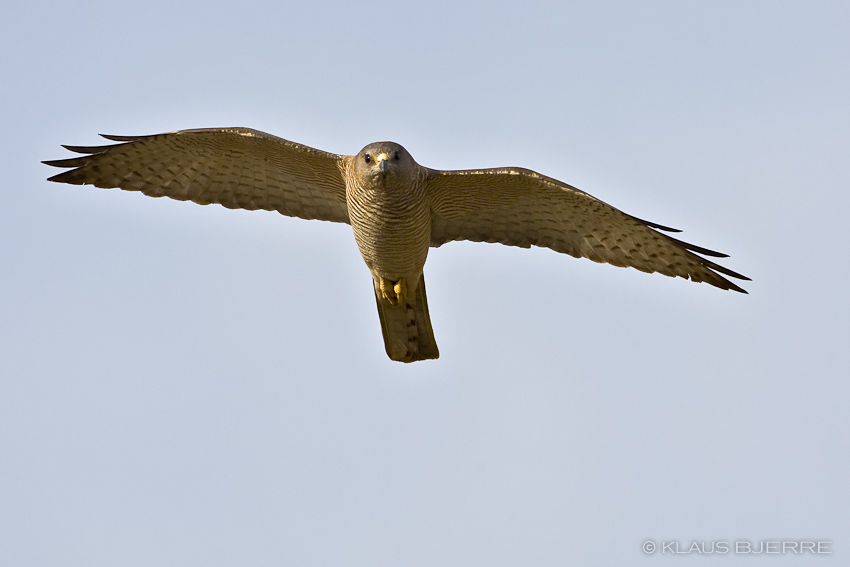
x: 384, y: 162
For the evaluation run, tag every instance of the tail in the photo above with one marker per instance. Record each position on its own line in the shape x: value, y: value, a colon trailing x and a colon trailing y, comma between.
x: 408, y: 335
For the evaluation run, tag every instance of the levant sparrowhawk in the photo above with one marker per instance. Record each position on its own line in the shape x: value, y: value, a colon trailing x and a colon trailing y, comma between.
x: 397, y: 209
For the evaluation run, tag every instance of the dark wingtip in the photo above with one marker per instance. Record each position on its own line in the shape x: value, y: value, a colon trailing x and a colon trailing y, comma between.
x: 697, y: 249
x: 723, y: 270
x: 66, y: 177
x: 69, y: 162
x: 727, y: 285
x: 56, y: 162
x: 739, y: 289
x: 656, y: 225
x: 86, y: 149
x: 727, y: 271
x: 664, y: 228
x: 115, y: 138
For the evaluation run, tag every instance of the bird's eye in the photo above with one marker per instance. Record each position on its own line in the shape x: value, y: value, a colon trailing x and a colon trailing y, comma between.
x: 395, y: 157
x: 368, y: 158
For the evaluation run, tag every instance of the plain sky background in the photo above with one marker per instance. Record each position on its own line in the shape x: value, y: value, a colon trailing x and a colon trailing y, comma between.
x: 186, y: 385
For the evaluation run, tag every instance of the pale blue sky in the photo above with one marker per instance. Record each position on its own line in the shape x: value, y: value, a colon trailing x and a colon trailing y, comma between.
x: 186, y: 385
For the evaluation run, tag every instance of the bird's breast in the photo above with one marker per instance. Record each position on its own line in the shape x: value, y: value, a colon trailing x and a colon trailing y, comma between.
x: 392, y: 227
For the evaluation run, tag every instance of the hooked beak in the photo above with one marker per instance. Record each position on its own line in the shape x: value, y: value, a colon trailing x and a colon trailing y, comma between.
x: 381, y: 161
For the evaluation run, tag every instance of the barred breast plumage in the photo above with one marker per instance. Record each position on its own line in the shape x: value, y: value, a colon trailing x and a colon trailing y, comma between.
x: 391, y: 220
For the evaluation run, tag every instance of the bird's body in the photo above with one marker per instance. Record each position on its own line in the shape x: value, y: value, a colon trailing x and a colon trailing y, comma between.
x: 390, y: 216
x: 389, y: 211
x: 397, y: 209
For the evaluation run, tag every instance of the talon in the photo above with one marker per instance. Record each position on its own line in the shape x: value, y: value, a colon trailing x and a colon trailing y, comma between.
x: 400, y: 289
x: 388, y: 291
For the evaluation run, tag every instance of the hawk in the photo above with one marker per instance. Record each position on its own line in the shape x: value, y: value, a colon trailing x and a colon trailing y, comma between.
x: 397, y: 209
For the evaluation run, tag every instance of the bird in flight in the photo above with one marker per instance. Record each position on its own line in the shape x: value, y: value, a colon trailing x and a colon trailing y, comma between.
x: 397, y: 209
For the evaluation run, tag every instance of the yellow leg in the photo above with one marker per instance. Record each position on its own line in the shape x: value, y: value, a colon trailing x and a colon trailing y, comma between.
x: 388, y: 291
x: 400, y: 289
x: 394, y: 292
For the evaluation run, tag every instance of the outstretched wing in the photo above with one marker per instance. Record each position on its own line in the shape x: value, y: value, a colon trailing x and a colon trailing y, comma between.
x: 239, y: 168
x: 519, y: 207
